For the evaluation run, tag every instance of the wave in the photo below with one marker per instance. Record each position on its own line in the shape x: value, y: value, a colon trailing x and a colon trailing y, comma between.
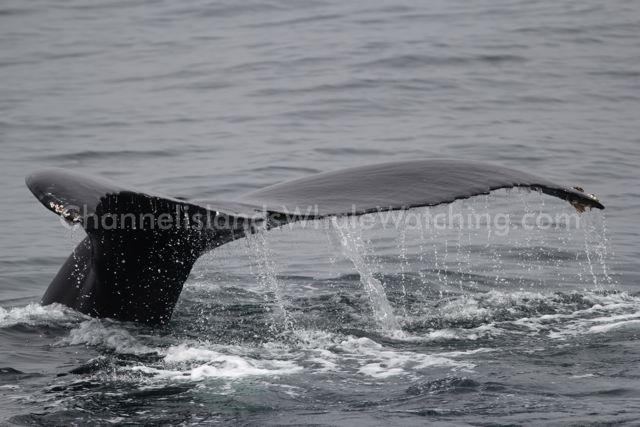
x: 108, y: 155
x: 413, y: 61
x: 38, y: 315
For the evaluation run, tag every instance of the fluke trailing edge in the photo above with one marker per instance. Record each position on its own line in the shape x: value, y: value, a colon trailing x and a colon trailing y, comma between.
x: 140, y: 247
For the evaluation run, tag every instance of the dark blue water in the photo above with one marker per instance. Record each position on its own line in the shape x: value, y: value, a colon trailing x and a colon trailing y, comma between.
x: 209, y: 99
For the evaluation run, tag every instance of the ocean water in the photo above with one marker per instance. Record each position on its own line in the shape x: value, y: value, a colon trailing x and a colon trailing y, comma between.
x: 331, y: 324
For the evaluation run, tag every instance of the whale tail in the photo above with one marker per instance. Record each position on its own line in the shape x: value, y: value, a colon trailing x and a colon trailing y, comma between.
x: 140, y: 247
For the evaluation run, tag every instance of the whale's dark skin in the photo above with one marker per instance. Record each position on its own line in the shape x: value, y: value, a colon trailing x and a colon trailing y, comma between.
x: 134, y: 271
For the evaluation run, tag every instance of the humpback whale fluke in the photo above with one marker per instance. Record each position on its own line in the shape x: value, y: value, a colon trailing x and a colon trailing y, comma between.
x: 140, y: 247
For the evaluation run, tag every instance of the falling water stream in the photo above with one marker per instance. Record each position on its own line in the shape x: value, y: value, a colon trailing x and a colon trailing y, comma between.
x: 450, y: 253
x: 354, y: 248
x: 267, y: 272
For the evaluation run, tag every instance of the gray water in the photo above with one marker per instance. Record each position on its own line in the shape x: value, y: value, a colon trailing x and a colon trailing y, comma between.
x: 209, y: 99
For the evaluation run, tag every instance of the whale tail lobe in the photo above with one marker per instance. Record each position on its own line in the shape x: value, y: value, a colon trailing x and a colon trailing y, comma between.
x: 139, y: 248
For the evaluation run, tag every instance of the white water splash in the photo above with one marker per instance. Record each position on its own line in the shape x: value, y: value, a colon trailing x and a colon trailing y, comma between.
x: 95, y: 332
x: 36, y: 314
x: 197, y: 363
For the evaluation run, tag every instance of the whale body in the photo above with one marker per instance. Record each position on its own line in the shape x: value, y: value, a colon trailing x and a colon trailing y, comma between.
x: 140, y: 247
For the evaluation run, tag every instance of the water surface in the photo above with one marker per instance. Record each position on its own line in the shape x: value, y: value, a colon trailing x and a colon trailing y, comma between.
x: 209, y: 99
